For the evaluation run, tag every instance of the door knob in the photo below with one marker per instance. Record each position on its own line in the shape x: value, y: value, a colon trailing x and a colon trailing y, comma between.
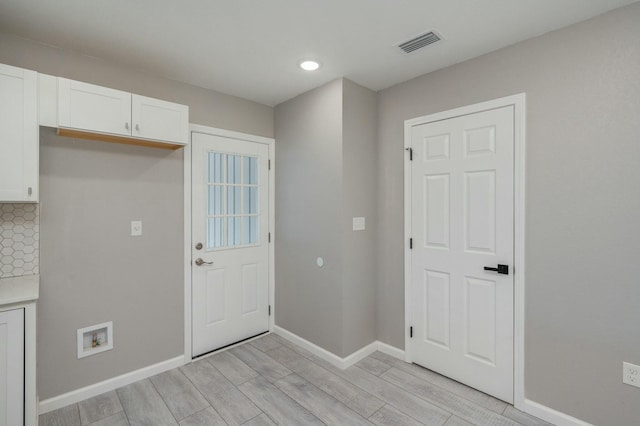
x: 501, y: 269
x: 201, y: 262
x: 199, y: 246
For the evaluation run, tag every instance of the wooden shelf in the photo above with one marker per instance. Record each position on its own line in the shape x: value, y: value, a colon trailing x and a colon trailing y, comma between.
x: 117, y: 139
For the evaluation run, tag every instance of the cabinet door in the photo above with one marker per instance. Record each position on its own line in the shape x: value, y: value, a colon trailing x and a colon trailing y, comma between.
x: 160, y: 120
x: 12, y: 367
x: 93, y: 108
x: 18, y: 134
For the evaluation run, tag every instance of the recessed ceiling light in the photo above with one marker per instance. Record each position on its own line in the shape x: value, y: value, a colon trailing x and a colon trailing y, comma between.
x: 309, y: 65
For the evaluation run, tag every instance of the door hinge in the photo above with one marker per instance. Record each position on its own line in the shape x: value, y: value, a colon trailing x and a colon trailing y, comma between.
x: 269, y: 237
x: 269, y: 310
x: 410, y: 243
x: 269, y: 164
x: 411, y: 332
x: 410, y: 153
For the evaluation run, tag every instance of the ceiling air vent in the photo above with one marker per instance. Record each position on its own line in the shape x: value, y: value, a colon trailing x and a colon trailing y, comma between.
x: 420, y: 42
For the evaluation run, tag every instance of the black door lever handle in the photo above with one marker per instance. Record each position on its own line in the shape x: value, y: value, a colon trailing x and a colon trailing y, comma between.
x: 501, y: 269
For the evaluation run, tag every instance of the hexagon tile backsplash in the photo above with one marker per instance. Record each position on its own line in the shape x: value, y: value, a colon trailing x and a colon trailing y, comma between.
x: 19, y: 240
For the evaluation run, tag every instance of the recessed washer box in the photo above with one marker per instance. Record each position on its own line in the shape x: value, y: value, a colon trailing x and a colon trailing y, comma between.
x: 95, y: 339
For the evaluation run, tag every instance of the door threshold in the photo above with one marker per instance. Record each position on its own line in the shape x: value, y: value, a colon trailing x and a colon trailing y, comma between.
x: 229, y: 346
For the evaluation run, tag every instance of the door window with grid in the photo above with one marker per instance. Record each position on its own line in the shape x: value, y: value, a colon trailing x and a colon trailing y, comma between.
x: 232, y: 195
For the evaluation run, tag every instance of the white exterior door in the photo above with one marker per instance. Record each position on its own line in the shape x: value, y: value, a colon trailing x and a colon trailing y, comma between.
x: 230, y: 253
x: 11, y: 367
x: 462, y: 205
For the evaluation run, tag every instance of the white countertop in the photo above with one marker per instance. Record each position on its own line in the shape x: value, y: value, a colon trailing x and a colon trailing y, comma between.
x: 19, y: 289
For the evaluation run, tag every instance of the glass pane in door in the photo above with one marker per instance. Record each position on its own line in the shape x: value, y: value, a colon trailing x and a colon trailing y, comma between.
x: 232, y: 200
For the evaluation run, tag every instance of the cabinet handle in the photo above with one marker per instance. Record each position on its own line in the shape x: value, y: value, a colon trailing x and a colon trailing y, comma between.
x: 137, y: 127
x: 30, y: 191
x: 126, y: 126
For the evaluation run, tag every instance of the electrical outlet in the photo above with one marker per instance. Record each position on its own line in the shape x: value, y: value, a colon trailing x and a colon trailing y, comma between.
x: 136, y: 228
x: 631, y: 374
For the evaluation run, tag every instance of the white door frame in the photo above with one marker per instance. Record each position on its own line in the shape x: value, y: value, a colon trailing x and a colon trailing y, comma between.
x: 519, y: 102
x: 196, y: 128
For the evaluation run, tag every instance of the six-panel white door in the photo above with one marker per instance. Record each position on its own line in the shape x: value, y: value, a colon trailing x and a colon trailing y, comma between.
x: 462, y: 221
x: 230, y: 253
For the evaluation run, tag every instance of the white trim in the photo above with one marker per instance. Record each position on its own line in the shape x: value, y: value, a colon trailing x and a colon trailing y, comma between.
x: 270, y: 142
x: 519, y: 103
x: 407, y: 234
x: 325, y: 354
x: 187, y: 250
x: 549, y: 414
x: 334, y: 359
x: 272, y: 228
x: 391, y: 350
x: 108, y: 385
x: 198, y: 128
x: 358, y: 355
x: 530, y: 407
x: 519, y: 210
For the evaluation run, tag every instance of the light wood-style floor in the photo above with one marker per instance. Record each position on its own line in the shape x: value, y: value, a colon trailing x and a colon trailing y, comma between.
x: 272, y: 381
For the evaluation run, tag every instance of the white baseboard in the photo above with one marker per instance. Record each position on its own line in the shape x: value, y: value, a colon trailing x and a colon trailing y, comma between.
x: 391, y: 350
x: 335, y: 359
x: 323, y: 353
x: 548, y: 414
x: 528, y: 406
x: 108, y: 385
x: 358, y: 355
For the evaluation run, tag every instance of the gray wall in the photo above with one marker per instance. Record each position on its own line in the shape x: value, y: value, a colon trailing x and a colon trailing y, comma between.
x: 207, y: 107
x: 309, y: 216
x: 91, y: 270
x: 583, y: 104
x: 582, y: 292
x: 326, y: 142
x: 359, y: 153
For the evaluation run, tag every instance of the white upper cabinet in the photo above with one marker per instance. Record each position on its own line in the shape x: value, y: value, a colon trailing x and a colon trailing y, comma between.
x: 159, y: 120
x: 93, y: 108
x: 18, y: 135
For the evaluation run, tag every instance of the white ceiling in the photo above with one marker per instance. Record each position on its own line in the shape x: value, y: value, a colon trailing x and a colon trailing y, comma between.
x: 250, y: 48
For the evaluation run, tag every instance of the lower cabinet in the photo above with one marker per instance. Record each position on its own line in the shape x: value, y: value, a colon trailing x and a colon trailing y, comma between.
x: 12, y: 402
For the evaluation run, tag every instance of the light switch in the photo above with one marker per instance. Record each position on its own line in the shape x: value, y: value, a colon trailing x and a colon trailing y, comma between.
x: 358, y: 224
x: 136, y: 228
